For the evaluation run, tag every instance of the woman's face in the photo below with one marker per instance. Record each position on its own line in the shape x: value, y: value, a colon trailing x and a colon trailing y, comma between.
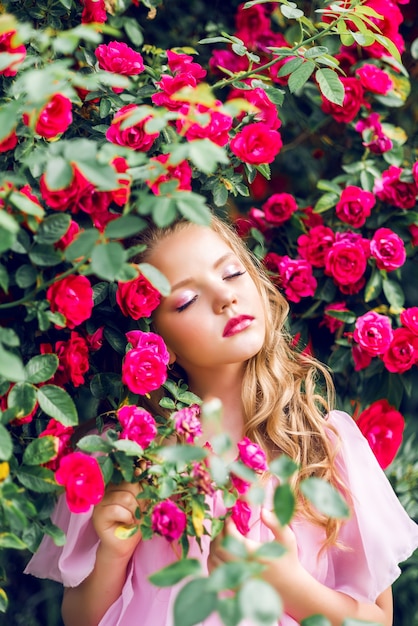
x: 214, y: 316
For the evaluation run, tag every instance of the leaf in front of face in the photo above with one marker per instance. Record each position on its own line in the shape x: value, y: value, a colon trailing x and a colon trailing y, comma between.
x: 194, y: 603
x: 175, y: 572
x: 324, y: 497
x: 260, y: 602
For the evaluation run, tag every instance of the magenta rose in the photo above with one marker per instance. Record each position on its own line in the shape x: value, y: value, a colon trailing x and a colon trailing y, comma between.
x: 227, y: 59
x: 413, y: 231
x: 71, y: 296
x: 9, y: 142
x: 315, y: 244
x: 181, y: 63
x: 374, y: 79
x: 332, y: 323
x: 241, y: 515
x: 150, y: 341
x: 54, y: 118
x: 73, y: 360
x: 170, y: 85
x: 353, y: 99
x: 388, y: 249
x: 415, y: 172
x: 346, y: 263
x: 216, y: 127
x: 136, y: 136
x: 373, y: 332
x: 82, y: 479
x: 354, y: 206
x: 252, y: 455
x: 296, y: 278
x: 72, y: 232
x: 361, y: 358
x: 180, y: 172
x: 168, y: 520
x: 187, y: 422
x: 62, y: 440
x: 94, y: 11
x: 252, y: 24
x: 383, y: 427
x: 256, y: 144
x: 279, y: 208
x: 118, y: 57
x: 409, y: 318
x: 138, y: 425
x: 137, y: 298
x: 267, y: 110
x: 373, y: 135
x: 391, y: 189
x: 144, y: 368
x: 9, y: 43
x: 68, y: 198
x: 402, y: 353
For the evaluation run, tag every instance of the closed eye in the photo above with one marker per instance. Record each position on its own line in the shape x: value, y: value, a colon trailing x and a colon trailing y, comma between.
x: 234, y: 275
x: 184, y: 306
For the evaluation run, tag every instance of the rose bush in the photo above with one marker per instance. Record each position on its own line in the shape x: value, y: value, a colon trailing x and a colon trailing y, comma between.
x: 294, y: 120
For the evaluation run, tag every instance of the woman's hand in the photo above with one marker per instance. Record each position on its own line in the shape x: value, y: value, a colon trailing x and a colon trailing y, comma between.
x: 118, y: 508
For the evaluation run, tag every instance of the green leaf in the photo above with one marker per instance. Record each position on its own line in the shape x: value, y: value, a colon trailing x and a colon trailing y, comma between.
x: 206, y: 155
x: 125, y: 226
x: 56, y: 533
x: 102, y: 176
x: 290, y: 66
x: 175, y: 572
x: 394, y: 293
x: 4, y: 601
x: 291, y: 11
x: 37, y: 478
x: 6, y: 445
x: 185, y: 453
x: 40, y: 450
x: 324, y: 497
x: 8, y: 118
x: 22, y: 396
x: 260, y: 603
x: 164, y: 211
x: 25, y: 204
x: 270, y: 550
x: 299, y: 77
x: 107, y: 260
x: 57, y: 403
x: 106, y: 384
x: 284, y: 503
x: 330, y: 85
x: 94, y: 443
x: 52, y: 228
x: 345, y: 316
x: 9, y: 540
x: 26, y: 276
x: 357, y: 622
x: 315, y: 620
x: 326, y: 202
x: 193, y: 207
x: 4, y: 278
x: 283, y: 467
x: 156, y: 278
x: 373, y: 286
x: 116, y: 339
x: 231, y: 575
x: 194, y: 603
x: 45, y: 255
x: 59, y: 173
x: 130, y: 448
x: 11, y: 366
x: 41, y: 368
x: 83, y: 245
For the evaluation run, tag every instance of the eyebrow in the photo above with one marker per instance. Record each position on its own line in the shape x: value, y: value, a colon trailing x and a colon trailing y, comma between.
x: 189, y: 279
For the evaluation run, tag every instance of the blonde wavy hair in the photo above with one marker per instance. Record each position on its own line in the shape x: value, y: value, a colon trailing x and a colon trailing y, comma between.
x: 284, y: 411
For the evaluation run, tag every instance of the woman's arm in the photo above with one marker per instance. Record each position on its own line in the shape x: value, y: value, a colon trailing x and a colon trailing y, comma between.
x: 301, y: 593
x: 86, y: 604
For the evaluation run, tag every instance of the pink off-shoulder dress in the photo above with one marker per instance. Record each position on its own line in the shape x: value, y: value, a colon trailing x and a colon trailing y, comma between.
x: 379, y: 533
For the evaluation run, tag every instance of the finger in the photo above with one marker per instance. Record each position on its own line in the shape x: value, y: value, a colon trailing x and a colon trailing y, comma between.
x: 118, y: 505
x: 283, y: 534
x: 133, y: 488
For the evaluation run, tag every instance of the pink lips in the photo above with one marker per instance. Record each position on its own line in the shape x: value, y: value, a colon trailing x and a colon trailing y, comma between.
x: 237, y: 325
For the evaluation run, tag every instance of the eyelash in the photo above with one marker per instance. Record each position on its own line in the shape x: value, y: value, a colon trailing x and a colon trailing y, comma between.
x: 184, y: 306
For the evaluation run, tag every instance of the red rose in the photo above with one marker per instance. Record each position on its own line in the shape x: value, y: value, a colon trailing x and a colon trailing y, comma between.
x: 69, y: 236
x: 402, y: 353
x: 391, y: 189
x: 168, y: 520
x: 68, y: 197
x: 73, y: 360
x: 346, y: 262
x: 181, y: 172
x: 361, y: 358
x: 137, y: 298
x: 241, y: 515
x: 216, y: 128
x: 251, y: 24
x: 169, y: 85
x: 267, y: 110
x: 62, y: 438
x: 138, y: 425
x: 94, y: 11
x: 54, y: 118
x: 82, y: 479
x: 136, y: 136
x: 9, y: 142
x: 227, y: 59
x: 296, y: 278
x: 413, y: 231
x: 314, y: 246
x: 373, y: 332
x: 118, y: 57
x: 353, y: 99
x: 388, y: 249
x: 374, y: 79
x: 279, y: 208
x: 9, y: 43
x: 256, y: 144
x: 354, y: 206
x: 332, y: 323
x: 72, y: 297
x: 383, y: 426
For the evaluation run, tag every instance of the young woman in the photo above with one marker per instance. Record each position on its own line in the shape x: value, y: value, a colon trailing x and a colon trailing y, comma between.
x: 223, y: 324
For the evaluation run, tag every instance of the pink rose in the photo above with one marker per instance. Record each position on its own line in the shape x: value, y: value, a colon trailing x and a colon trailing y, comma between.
x: 373, y: 332
x: 187, y: 422
x: 251, y: 24
x: 314, y: 246
x: 216, y: 128
x: 267, y: 110
x: 354, y: 206
x: 180, y: 172
x: 241, y: 515
x: 138, y: 425
x: 373, y: 135
x: 9, y: 142
x: 256, y: 144
x: 136, y: 136
x: 252, y: 455
x: 388, y: 249
x: 54, y: 118
x: 374, y: 79
x: 72, y: 297
x: 346, y: 263
x: 94, y: 11
x: 383, y: 426
x: 118, y: 57
x: 255, y: 218
x: 402, y: 353
x: 238, y: 483
x: 73, y: 360
x: 415, y: 172
x: 62, y: 439
x: 279, y: 208
x: 9, y: 43
x: 227, y: 59
x: 391, y: 189
x: 180, y: 63
x: 82, y: 479
x: 170, y: 85
x: 168, y: 520
x: 388, y: 24
x: 353, y: 99
x: 144, y: 368
x: 409, y: 318
x: 296, y: 278
x: 137, y: 298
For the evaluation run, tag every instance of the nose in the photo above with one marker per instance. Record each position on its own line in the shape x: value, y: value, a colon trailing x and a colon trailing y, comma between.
x: 224, y: 296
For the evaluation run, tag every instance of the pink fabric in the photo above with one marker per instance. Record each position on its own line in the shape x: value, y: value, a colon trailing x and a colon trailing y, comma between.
x: 379, y: 534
